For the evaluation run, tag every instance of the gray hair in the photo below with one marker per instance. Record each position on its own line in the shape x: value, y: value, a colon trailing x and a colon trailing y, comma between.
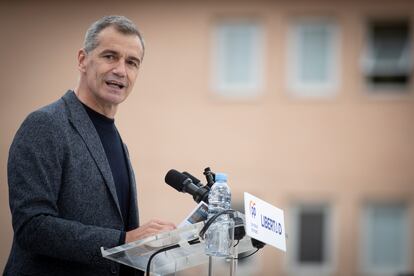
x: 121, y: 24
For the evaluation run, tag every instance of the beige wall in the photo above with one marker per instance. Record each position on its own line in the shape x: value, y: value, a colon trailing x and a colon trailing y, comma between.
x: 345, y: 150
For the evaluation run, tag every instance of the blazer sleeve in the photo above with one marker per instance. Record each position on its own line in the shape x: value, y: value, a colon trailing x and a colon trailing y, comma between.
x: 35, y: 172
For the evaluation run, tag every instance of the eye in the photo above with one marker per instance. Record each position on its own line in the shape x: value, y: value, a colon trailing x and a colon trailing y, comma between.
x: 109, y: 57
x: 133, y: 63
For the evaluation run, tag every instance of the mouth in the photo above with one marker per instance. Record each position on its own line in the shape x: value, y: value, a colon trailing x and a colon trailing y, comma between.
x: 115, y: 84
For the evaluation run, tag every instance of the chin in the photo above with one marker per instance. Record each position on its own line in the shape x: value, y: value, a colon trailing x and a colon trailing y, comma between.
x: 115, y: 98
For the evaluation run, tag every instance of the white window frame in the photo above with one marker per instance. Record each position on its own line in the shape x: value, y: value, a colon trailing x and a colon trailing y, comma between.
x: 237, y: 90
x: 313, y: 90
x: 366, y: 216
x: 296, y: 268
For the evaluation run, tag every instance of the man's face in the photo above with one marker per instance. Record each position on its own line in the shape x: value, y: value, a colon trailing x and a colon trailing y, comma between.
x: 109, y: 71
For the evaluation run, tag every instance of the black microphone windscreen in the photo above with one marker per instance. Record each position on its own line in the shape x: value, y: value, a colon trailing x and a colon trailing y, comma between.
x: 175, y: 179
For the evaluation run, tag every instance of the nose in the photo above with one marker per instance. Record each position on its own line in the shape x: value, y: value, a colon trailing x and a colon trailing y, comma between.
x: 120, y: 69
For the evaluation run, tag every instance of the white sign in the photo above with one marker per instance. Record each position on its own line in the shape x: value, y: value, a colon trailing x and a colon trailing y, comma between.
x: 264, y: 222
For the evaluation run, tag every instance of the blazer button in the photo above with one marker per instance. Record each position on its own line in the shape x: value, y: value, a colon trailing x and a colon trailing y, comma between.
x: 114, y: 270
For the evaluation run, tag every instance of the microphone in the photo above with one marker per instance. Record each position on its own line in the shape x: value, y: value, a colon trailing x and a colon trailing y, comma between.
x: 184, y: 184
x: 194, y: 179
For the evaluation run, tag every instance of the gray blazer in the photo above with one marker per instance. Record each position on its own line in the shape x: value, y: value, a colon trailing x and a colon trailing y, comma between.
x: 62, y: 195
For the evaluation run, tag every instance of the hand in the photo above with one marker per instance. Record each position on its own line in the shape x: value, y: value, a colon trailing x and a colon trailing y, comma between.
x: 150, y: 228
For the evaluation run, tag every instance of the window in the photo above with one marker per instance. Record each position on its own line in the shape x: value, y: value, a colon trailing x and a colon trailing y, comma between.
x: 311, y: 237
x: 311, y: 248
x: 385, y: 239
x: 238, y: 61
x: 387, y: 61
x: 313, y: 58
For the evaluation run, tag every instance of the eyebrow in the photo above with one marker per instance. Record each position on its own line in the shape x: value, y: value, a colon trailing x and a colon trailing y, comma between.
x: 108, y: 51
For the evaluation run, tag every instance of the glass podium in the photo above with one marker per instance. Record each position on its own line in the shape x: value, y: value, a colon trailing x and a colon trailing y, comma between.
x: 187, y: 253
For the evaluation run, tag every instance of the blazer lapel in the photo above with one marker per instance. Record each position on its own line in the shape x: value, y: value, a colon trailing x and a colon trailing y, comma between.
x: 81, y: 122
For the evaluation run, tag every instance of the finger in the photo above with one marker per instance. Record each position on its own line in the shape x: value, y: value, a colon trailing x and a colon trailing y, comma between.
x: 156, y: 229
x: 162, y: 222
x: 158, y: 224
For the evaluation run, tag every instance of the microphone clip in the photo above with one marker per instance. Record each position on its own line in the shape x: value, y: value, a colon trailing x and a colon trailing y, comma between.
x: 210, y: 177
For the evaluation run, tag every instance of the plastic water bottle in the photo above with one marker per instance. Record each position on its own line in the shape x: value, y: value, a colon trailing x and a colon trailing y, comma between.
x: 219, y: 235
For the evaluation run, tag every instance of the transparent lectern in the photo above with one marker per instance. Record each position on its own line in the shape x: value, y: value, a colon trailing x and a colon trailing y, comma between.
x: 187, y: 253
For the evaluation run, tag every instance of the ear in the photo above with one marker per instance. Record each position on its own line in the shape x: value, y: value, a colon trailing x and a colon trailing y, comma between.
x: 82, y: 60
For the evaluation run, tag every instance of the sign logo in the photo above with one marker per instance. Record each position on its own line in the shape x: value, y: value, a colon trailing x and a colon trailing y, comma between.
x: 252, y: 208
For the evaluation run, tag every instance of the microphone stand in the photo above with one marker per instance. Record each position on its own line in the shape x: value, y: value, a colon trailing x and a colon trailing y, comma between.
x: 210, y: 265
x: 234, y: 261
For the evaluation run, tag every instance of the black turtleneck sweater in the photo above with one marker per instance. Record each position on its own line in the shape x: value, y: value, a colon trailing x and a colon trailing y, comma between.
x: 113, y: 146
x: 114, y: 150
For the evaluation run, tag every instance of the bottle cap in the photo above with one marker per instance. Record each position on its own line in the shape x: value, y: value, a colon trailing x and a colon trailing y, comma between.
x: 221, y: 177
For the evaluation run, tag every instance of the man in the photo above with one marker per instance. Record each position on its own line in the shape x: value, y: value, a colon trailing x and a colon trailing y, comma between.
x: 71, y: 185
